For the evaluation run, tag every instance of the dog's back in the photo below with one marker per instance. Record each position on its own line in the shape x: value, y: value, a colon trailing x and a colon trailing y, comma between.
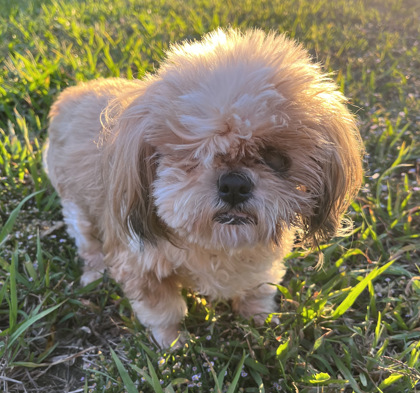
x: 73, y: 148
x: 72, y: 160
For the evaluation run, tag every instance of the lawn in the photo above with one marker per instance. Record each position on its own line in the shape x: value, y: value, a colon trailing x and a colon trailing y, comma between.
x: 352, y: 325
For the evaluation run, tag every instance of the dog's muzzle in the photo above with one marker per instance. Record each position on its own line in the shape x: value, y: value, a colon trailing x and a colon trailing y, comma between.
x: 235, y: 219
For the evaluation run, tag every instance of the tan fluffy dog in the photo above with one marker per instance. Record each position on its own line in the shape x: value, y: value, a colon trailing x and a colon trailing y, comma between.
x: 201, y: 174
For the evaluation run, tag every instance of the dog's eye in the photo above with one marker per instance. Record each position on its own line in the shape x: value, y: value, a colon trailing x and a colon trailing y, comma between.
x: 277, y: 161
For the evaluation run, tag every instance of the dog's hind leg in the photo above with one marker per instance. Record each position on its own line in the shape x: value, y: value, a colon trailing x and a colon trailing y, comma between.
x: 88, y: 246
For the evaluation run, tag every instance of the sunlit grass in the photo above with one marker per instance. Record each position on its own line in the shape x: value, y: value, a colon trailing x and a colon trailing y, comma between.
x: 352, y: 325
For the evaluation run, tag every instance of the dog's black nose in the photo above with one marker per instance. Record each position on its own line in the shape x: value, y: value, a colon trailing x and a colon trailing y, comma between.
x: 234, y: 188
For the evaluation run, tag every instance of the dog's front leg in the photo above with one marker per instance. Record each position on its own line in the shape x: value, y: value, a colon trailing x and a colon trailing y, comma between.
x: 159, y: 305
x: 257, y: 303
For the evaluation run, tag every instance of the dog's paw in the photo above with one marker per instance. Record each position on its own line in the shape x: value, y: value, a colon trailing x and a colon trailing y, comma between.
x: 169, y: 337
x: 258, y: 305
x: 89, y: 277
x: 180, y: 341
x: 261, y: 319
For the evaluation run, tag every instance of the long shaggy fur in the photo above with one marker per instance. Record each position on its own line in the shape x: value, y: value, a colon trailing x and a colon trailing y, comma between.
x: 138, y: 166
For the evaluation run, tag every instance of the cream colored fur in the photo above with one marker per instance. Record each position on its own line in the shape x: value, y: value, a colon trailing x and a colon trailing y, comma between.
x: 138, y: 166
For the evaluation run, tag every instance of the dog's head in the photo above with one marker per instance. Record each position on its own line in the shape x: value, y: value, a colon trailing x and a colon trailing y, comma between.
x: 236, y: 139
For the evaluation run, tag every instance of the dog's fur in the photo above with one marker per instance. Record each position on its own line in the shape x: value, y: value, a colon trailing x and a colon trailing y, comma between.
x: 138, y: 166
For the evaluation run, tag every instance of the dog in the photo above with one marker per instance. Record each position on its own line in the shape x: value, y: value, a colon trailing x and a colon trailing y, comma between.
x: 203, y: 174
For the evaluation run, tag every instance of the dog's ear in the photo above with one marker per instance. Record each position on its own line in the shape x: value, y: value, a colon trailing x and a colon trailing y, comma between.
x: 130, y: 164
x: 340, y: 175
x: 326, y: 138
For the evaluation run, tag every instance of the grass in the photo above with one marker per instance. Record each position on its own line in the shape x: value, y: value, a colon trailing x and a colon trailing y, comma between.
x: 352, y: 326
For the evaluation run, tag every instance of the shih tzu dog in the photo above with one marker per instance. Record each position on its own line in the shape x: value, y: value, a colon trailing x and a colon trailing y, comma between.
x: 202, y: 174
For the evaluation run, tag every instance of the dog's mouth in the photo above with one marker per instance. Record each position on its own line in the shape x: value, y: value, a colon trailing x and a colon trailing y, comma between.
x: 235, y: 219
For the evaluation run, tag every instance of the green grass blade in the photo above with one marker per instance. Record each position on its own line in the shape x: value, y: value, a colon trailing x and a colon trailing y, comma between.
x: 5, y: 231
x: 218, y: 381
x: 22, y: 328
x: 345, y: 371
x: 169, y: 389
x: 358, y: 289
x: 258, y: 380
x: 257, y: 366
x: 155, y: 380
x: 143, y: 373
x: 4, y: 289
x: 13, y: 293
x: 232, y: 387
x: 220, y: 378
x: 390, y: 380
x: 128, y: 382
x: 282, y: 348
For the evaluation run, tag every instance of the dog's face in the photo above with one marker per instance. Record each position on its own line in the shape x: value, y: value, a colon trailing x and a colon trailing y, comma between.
x: 241, y: 180
x: 237, y: 139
